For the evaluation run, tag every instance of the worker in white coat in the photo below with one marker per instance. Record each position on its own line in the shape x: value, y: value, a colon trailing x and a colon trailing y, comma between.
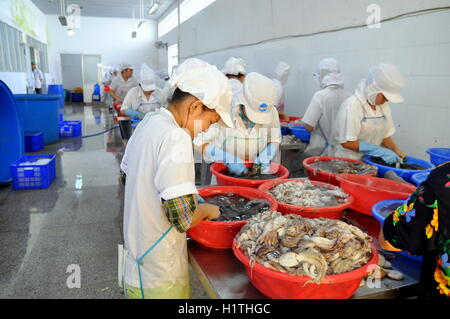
x: 364, y: 124
x: 282, y: 74
x: 38, y: 78
x: 256, y: 136
x: 321, y: 112
x: 144, y: 98
x: 235, y: 70
x: 160, y: 202
x: 122, y: 83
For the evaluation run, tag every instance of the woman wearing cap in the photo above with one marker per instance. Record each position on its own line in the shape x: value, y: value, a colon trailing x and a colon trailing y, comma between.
x: 160, y: 204
x: 256, y: 136
x: 144, y: 98
x: 364, y: 124
x: 121, y: 84
x: 235, y: 70
x: 282, y: 74
x: 321, y: 112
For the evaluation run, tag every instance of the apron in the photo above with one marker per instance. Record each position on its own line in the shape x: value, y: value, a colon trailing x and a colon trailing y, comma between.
x: 318, y: 145
x: 245, y: 146
x: 372, y: 131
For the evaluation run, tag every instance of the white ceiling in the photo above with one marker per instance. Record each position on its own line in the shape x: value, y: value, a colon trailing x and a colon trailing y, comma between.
x: 106, y: 8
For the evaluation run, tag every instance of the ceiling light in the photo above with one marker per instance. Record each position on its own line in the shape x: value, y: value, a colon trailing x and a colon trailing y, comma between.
x: 154, y: 7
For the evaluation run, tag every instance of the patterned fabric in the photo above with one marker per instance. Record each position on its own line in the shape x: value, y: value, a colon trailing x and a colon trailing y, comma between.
x: 179, y: 211
x: 421, y: 226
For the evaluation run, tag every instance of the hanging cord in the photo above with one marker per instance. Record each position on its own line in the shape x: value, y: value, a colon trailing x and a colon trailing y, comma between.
x: 100, y: 133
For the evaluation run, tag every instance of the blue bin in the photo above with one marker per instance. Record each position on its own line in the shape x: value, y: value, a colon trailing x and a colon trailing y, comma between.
x: 55, y: 89
x: 301, y: 133
x: 12, y: 144
x: 406, y: 174
x: 33, y: 174
x: 439, y: 156
x: 70, y: 128
x: 34, y: 141
x: 382, y: 209
x: 40, y: 113
x: 419, y: 178
x: 76, y: 97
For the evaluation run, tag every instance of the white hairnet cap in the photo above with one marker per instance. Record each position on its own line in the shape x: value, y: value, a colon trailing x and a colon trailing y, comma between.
x: 388, y: 80
x: 124, y: 66
x: 147, y: 78
x: 235, y: 66
x: 259, y: 98
x: 282, y: 72
x: 206, y: 83
x: 114, y: 70
x: 328, y: 73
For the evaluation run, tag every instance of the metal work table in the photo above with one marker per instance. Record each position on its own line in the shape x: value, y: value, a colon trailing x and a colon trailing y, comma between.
x: 224, y: 277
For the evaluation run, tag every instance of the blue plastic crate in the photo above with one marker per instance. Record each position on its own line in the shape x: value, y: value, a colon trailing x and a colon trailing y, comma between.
x: 61, y: 117
x: 69, y: 128
x: 34, y: 141
x: 301, y: 133
x: 28, y: 173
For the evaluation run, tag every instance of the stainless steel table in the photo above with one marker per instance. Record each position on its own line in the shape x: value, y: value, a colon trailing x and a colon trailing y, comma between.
x: 224, y: 277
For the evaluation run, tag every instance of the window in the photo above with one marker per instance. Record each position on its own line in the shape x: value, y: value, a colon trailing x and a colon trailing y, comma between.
x: 188, y: 9
x: 12, y: 56
x: 172, y: 57
x: 40, y: 53
x: 168, y: 23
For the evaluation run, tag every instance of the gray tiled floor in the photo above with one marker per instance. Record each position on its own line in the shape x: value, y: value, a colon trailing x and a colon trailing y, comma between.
x: 77, y: 220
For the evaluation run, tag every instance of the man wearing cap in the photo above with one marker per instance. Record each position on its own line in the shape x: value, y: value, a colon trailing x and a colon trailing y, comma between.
x: 123, y: 83
x: 38, y: 77
x: 256, y: 136
x: 144, y: 98
x: 235, y: 70
x: 363, y: 124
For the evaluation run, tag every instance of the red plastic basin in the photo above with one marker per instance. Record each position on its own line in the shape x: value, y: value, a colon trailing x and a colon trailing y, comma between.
x: 332, y: 212
x: 221, y: 234
x: 322, y: 176
x: 219, y: 170
x: 278, y: 285
x: 368, y: 190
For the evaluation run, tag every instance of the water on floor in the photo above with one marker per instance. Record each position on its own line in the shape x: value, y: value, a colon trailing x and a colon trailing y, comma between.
x: 47, y: 236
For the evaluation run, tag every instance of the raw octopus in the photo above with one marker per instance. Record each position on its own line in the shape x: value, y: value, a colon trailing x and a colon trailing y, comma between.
x: 307, y: 194
x: 234, y: 207
x: 303, y: 246
x: 380, y: 161
x: 290, y: 139
x: 343, y: 167
x: 254, y: 173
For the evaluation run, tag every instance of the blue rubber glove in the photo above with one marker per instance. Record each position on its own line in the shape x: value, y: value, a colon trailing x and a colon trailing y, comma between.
x: 235, y: 165
x: 387, y: 155
x: 200, y: 199
x: 266, y: 155
x: 134, y: 114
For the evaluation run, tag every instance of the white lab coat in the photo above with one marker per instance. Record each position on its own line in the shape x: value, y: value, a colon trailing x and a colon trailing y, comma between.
x: 280, y: 95
x: 121, y: 87
x: 239, y: 141
x: 357, y: 121
x: 160, y: 166
x: 321, y: 114
x: 136, y: 100
x: 38, y: 77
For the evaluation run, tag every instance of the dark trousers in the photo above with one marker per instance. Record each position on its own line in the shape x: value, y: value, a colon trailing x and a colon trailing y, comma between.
x: 38, y: 91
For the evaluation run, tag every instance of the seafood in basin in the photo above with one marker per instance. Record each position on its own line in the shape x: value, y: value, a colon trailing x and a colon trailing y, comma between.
x: 302, y: 246
x: 343, y: 167
x: 235, y: 207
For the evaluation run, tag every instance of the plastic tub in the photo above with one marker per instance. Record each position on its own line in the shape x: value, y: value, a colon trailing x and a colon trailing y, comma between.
x: 294, y: 118
x: 419, y: 178
x: 301, y: 133
x: 368, y: 190
x: 12, y: 143
x: 40, y: 113
x: 322, y: 176
x: 221, y: 234
x: 406, y: 174
x: 285, y: 130
x: 278, y: 285
x: 382, y: 209
x: 76, y: 97
x: 31, y: 176
x: 332, y: 212
x: 34, y: 142
x: 55, y: 89
x: 439, y: 155
x: 219, y: 169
